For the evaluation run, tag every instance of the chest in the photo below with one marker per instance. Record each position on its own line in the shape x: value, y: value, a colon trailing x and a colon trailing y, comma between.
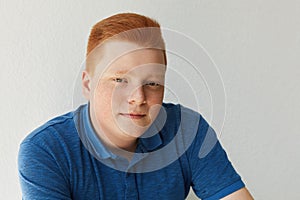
x: 98, y: 181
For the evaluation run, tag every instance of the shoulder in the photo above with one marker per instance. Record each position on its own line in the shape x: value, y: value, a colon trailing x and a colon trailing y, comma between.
x: 179, y: 111
x: 59, y: 131
x: 185, y: 118
x: 53, y: 146
x: 184, y: 124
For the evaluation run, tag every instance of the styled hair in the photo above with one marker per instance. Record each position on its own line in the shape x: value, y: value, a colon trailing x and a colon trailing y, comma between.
x: 130, y: 27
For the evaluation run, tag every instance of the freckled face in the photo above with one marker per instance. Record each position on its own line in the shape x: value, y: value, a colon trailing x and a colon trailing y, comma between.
x: 127, y: 95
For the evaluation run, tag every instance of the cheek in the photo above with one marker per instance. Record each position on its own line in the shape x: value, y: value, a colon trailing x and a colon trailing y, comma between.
x: 107, y: 99
x: 155, y: 101
x: 102, y: 99
x: 155, y: 97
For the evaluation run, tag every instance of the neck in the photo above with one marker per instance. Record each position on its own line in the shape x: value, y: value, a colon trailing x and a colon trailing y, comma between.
x: 114, y: 141
x: 121, y: 148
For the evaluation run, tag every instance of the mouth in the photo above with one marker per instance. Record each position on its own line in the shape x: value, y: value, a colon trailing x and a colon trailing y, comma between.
x: 133, y: 115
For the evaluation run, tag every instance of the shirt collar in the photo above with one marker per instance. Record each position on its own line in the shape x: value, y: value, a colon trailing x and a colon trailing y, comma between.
x: 88, y: 135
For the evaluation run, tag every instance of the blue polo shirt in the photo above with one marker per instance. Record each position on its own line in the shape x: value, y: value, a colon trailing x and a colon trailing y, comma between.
x: 64, y: 159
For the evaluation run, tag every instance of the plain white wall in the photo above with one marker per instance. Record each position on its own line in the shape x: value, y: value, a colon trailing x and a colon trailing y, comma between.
x: 255, y: 44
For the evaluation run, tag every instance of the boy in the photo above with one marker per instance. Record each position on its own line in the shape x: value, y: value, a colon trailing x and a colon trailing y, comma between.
x: 125, y: 143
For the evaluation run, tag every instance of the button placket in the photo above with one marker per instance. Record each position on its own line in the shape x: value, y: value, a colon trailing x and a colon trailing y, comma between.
x: 131, y: 192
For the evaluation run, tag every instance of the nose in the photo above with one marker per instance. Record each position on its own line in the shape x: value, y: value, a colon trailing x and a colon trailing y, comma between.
x: 137, y: 96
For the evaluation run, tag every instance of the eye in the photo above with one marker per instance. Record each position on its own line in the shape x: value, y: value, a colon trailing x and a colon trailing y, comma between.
x: 120, y: 80
x: 153, y: 84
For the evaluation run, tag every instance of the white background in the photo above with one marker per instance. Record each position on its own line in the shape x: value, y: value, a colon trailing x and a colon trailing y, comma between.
x: 255, y: 44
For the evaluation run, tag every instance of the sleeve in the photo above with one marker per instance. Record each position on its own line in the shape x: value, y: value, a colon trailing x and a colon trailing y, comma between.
x: 213, y: 176
x: 39, y: 174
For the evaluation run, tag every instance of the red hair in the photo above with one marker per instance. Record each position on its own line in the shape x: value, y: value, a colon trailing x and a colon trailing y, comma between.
x: 131, y: 27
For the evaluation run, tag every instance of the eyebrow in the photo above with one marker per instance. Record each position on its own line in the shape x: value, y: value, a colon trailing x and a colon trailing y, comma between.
x: 121, y: 72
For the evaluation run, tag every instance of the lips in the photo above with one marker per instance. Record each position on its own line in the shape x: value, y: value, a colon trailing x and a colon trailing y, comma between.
x: 133, y: 115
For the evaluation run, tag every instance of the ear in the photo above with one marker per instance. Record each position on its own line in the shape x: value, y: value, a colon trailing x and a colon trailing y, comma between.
x: 86, y: 84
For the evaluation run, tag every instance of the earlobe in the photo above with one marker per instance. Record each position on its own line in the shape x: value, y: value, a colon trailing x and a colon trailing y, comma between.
x: 86, y: 84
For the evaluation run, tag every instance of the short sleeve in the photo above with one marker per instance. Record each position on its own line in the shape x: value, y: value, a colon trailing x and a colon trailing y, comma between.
x: 40, y: 176
x: 213, y: 176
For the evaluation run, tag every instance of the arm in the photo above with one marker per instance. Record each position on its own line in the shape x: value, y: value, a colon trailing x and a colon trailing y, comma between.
x: 213, y: 176
x: 40, y: 176
x: 242, y: 194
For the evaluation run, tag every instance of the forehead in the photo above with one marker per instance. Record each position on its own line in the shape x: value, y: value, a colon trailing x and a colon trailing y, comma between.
x: 121, y: 57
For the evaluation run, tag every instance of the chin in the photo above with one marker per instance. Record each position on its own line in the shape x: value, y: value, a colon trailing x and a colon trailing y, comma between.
x: 135, y: 132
